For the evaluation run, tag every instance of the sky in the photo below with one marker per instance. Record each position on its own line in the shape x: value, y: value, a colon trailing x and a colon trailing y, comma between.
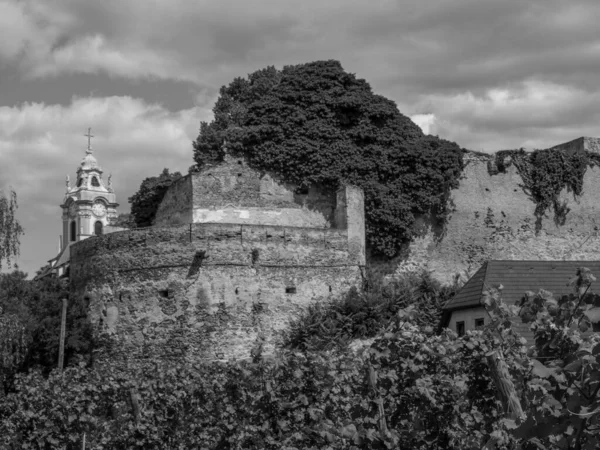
x: 487, y: 74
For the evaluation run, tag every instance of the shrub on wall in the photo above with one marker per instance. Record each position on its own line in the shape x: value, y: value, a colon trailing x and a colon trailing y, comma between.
x: 362, y: 315
x: 145, y: 202
x: 316, y: 123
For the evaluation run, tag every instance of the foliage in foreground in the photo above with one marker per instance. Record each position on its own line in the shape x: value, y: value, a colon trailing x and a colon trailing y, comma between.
x: 30, y: 314
x: 362, y: 315
x: 316, y: 123
x: 409, y: 390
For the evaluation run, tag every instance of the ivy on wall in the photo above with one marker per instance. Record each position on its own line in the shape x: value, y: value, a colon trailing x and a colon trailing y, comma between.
x: 545, y: 174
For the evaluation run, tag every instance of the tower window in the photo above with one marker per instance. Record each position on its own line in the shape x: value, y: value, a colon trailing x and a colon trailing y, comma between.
x: 290, y: 290
x: 95, y: 182
x: 80, y: 182
x: 73, y: 231
x: 98, y: 228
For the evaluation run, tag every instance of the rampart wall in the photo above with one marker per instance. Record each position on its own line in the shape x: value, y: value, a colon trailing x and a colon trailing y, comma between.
x: 232, y: 192
x: 493, y: 218
x: 208, y: 290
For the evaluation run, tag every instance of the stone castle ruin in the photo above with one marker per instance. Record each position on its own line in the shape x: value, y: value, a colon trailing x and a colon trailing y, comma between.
x: 233, y: 255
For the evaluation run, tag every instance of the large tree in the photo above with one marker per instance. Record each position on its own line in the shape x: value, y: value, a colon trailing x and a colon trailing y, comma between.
x: 316, y: 123
x: 10, y: 228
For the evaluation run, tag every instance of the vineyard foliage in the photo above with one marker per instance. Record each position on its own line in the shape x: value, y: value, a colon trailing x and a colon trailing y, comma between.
x: 364, y: 314
x: 411, y: 388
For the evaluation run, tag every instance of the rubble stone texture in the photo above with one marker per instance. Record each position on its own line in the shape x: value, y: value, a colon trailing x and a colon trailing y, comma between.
x: 233, y: 256
x: 493, y: 218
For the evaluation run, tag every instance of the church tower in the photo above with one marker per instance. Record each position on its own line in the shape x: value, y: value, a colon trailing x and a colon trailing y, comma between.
x: 90, y: 205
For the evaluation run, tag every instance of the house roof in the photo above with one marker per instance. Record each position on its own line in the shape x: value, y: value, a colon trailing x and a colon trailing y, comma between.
x: 517, y: 277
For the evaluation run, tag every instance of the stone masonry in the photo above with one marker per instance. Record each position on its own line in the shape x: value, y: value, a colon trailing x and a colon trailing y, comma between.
x: 493, y: 218
x: 233, y: 256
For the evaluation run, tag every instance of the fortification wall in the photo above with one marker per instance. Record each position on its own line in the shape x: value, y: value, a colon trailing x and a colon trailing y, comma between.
x: 589, y: 144
x: 232, y: 192
x: 208, y: 290
x: 493, y: 218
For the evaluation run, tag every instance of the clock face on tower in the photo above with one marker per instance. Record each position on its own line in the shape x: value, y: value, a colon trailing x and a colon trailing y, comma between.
x: 99, y: 209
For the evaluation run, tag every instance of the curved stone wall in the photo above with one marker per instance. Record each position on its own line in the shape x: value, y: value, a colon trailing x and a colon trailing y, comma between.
x: 208, y: 290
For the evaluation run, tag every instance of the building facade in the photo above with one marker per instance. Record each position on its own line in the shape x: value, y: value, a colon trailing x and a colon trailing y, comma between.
x: 88, y: 208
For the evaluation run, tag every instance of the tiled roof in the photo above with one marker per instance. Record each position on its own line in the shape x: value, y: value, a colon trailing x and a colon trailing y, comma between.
x: 470, y: 293
x: 518, y: 277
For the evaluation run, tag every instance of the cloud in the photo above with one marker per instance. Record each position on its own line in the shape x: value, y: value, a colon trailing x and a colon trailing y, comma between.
x: 405, y: 48
x: 528, y: 114
x: 424, y: 121
x: 40, y: 144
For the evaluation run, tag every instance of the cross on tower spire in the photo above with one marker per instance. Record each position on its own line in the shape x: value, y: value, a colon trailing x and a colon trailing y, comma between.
x: 89, y: 136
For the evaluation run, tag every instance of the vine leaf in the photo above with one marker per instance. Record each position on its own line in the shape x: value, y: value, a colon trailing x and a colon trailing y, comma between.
x: 593, y: 314
x: 540, y: 370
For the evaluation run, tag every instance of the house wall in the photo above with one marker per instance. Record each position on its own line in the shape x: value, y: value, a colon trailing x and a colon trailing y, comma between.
x: 468, y: 316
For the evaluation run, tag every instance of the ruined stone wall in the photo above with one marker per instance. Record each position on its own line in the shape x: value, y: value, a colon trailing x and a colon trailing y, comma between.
x: 176, y: 206
x: 208, y: 290
x: 493, y: 218
x: 589, y: 144
x: 232, y: 192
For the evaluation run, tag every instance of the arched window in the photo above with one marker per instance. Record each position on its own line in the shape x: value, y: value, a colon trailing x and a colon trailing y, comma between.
x: 95, y: 182
x: 79, y: 182
x: 73, y: 231
x: 98, y: 228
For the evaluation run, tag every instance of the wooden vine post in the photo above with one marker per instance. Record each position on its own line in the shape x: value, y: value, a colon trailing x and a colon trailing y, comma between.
x: 505, y: 386
x: 63, y: 332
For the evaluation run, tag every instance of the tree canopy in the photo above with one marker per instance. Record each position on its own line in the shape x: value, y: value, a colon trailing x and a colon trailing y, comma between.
x: 10, y: 228
x: 145, y: 202
x: 316, y: 123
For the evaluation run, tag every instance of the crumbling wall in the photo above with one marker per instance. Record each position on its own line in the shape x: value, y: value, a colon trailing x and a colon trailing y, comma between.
x: 176, y: 206
x: 207, y: 290
x: 493, y: 218
x: 232, y: 192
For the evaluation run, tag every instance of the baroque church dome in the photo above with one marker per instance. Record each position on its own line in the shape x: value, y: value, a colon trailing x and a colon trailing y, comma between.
x: 89, y: 163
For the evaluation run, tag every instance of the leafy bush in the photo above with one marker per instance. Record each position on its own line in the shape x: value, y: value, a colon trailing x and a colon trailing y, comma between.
x: 562, y: 405
x: 363, y: 315
x: 410, y: 390
x: 36, y: 306
x: 145, y: 202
